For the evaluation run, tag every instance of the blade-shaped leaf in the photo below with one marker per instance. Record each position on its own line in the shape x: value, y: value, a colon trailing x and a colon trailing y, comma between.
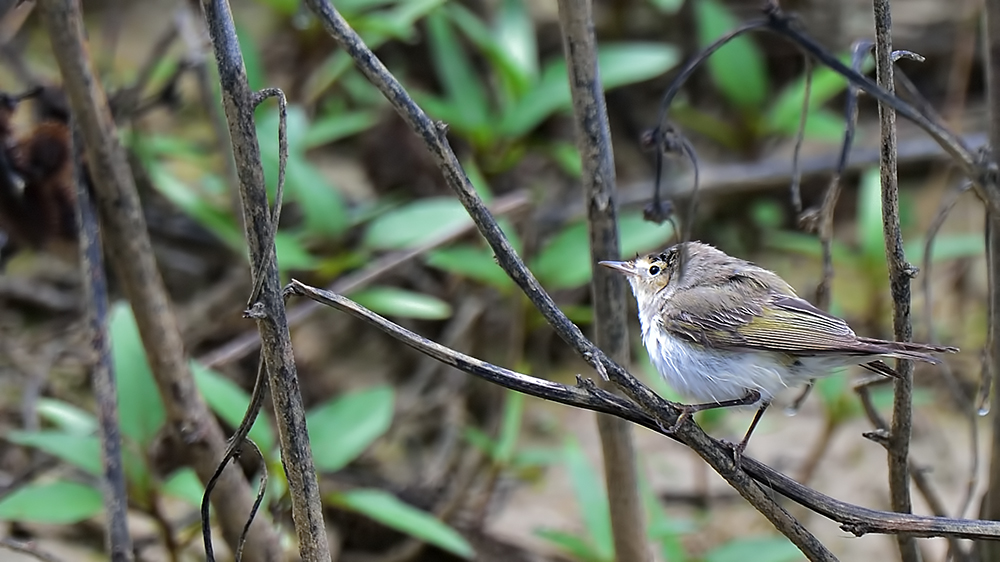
x: 185, y: 485
x: 770, y: 549
x: 67, y: 417
x: 458, y: 78
x: 738, y: 67
x: 392, y: 301
x: 470, y: 261
x: 344, y: 427
x: 230, y: 402
x: 415, y: 223
x: 593, y: 502
x: 139, y: 406
x: 81, y: 451
x: 390, y: 511
x: 59, y: 503
x: 516, y: 32
x: 826, y: 83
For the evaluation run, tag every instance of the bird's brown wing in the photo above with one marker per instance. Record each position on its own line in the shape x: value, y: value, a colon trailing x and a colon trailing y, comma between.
x: 784, y: 323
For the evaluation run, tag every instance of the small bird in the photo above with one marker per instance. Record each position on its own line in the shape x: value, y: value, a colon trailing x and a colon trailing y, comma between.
x: 727, y: 332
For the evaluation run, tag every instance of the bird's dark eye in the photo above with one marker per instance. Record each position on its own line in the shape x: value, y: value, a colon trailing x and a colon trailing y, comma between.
x: 654, y: 269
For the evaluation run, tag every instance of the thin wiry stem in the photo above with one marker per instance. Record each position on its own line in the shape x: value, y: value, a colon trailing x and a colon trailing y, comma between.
x: 593, y: 140
x: 800, y: 136
x: 900, y: 275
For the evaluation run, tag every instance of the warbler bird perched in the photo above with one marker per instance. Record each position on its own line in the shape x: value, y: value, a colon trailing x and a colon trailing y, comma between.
x: 727, y: 332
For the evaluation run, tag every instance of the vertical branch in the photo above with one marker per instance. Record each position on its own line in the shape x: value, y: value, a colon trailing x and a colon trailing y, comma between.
x: 900, y: 274
x: 131, y: 253
x: 95, y: 284
x: 267, y: 305
x: 593, y: 140
x: 991, y: 503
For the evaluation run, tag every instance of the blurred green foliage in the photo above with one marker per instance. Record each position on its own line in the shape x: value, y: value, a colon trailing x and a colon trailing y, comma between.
x: 340, y: 430
x: 739, y: 72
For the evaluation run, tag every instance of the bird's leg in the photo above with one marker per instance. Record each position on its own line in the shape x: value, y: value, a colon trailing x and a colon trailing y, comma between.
x: 738, y: 450
x: 688, y: 410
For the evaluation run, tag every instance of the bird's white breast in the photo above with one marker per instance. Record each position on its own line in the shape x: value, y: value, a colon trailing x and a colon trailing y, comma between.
x: 708, y: 375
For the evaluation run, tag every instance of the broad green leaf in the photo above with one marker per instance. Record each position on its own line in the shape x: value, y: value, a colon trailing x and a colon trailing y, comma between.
x: 770, y: 549
x: 514, y: 80
x: 738, y: 68
x: 639, y: 235
x: 344, y: 427
x: 567, y: 157
x: 565, y: 261
x: 458, y: 78
x: 390, y: 511
x: 947, y: 247
x: 826, y: 83
x: 292, y: 254
x: 473, y: 262
x: 67, y: 417
x: 196, y: 204
x: 667, y: 6
x: 869, y: 215
x: 415, y: 223
x: 140, y: 409
x: 516, y: 32
x: 510, y: 427
x: 620, y: 64
x: 230, y: 402
x: 58, y: 503
x: 576, y: 546
x: 185, y: 485
x: 334, y: 127
x: 588, y: 488
x: 256, y: 77
x: 392, y: 301
x: 81, y: 451
x: 283, y: 7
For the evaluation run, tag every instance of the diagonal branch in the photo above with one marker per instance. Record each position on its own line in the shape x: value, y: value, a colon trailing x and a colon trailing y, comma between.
x: 854, y: 519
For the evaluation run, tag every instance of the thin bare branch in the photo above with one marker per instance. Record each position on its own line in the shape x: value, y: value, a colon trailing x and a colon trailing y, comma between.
x: 593, y: 140
x: 95, y: 284
x: 130, y: 250
x: 268, y: 308
x: 800, y: 136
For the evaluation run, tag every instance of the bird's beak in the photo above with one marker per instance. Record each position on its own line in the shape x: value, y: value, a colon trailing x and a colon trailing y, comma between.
x: 623, y: 266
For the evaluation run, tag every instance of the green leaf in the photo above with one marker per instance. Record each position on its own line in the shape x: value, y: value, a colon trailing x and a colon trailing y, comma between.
x: 336, y: 126
x: 473, y: 262
x: 415, y: 223
x: 184, y: 484
x: 639, y: 235
x: 256, y: 77
x: 783, y: 114
x: 344, y: 427
x: 140, y: 409
x: 458, y: 78
x: 738, y: 68
x: 869, y: 215
x: 230, y: 402
x: 947, y: 247
x: 67, y: 417
x: 588, y: 488
x: 510, y: 427
x: 391, y: 512
x: 81, y: 451
x: 620, y: 64
x: 514, y: 77
x: 515, y: 31
x: 565, y: 261
x: 59, y: 503
x: 392, y: 301
x: 292, y: 254
x: 576, y: 546
x: 769, y: 549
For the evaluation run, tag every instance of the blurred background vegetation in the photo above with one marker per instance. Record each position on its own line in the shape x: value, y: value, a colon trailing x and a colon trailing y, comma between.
x: 409, y: 448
